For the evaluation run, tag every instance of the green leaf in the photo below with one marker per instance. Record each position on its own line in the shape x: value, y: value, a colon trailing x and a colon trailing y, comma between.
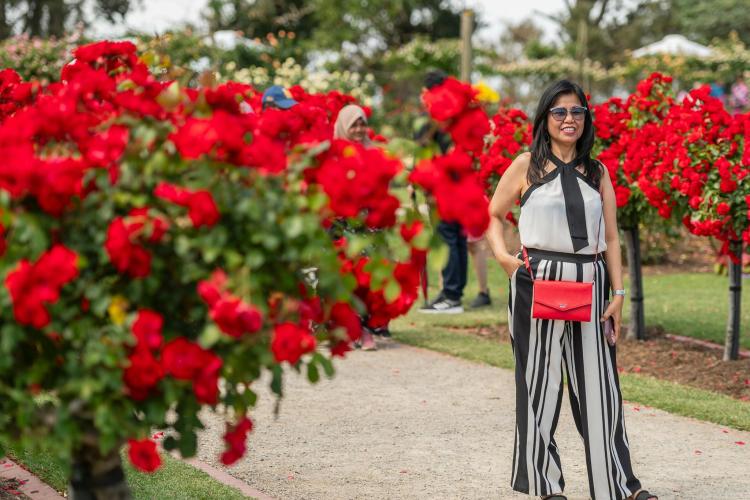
x: 249, y: 398
x: 312, y: 373
x: 210, y: 336
x: 182, y: 245
x: 293, y: 226
x: 421, y: 240
x: 188, y: 444
x: 326, y: 364
x: 392, y: 290
x: 276, y: 381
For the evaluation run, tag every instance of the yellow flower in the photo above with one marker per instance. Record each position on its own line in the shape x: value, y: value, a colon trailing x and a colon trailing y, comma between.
x: 486, y: 93
x: 117, y: 309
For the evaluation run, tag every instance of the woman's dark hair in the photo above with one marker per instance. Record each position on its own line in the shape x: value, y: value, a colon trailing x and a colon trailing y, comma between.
x: 541, y: 149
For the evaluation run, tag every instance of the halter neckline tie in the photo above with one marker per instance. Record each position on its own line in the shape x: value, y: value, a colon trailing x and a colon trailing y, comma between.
x: 575, y: 208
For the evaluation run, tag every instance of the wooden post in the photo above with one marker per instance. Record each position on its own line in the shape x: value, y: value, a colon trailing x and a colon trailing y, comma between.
x: 467, y: 28
x: 732, y: 342
x: 637, y: 327
x: 582, y: 51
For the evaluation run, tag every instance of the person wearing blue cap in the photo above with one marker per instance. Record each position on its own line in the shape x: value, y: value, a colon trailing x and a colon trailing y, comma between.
x: 278, y: 97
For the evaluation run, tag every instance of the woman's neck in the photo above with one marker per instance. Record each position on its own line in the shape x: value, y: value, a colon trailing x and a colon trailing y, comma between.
x: 564, y: 151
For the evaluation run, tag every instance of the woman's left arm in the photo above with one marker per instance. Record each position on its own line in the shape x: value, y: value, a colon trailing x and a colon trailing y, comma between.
x: 613, y: 252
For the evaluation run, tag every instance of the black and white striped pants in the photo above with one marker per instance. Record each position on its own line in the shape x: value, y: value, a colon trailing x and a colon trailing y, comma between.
x: 541, y: 348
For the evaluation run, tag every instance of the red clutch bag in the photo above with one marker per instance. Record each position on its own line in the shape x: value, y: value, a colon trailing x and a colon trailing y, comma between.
x: 565, y: 300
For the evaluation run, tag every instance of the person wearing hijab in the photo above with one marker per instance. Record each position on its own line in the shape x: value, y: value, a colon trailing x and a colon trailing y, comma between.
x: 351, y: 125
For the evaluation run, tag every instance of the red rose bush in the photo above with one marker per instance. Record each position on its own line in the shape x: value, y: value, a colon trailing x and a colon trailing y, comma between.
x: 162, y: 247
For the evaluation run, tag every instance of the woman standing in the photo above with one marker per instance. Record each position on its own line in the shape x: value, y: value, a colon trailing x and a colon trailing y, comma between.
x: 351, y: 125
x: 568, y: 216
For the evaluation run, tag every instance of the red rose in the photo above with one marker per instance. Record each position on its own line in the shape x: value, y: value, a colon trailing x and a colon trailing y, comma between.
x: 722, y: 208
x: 202, y: 209
x: 206, y: 380
x: 32, y: 286
x: 182, y: 359
x: 210, y: 290
x: 310, y: 309
x: 142, y: 374
x: 409, y: 231
x: 727, y: 185
x: 290, y: 342
x: 265, y: 154
x: 127, y: 257
x: 234, y: 317
x: 147, y: 328
x: 143, y: 455
x: 470, y: 129
x: 342, y: 315
x: 622, y: 195
x: 340, y: 348
x: 201, y: 206
x: 448, y: 100
x: 235, y: 438
x: 695, y: 202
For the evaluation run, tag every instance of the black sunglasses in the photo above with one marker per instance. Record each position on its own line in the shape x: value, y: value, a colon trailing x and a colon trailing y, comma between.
x: 577, y: 112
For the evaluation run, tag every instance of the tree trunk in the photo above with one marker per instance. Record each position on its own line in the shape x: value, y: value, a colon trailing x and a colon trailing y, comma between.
x: 467, y: 26
x: 56, y: 22
x: 97, y: 477
x: 732, y: 342
x: 33, y: 22
x: 637, y: 326
x: 4, y: 28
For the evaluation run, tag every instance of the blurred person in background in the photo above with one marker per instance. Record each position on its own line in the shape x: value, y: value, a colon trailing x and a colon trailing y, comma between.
x: 278, y: 97
x: 351, y: 125
x: 454, y: 273
x: 739, y: 95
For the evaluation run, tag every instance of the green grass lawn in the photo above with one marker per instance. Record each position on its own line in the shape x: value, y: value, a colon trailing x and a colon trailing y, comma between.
x: 175, y: 480
x: 691, y: 304
x: 694, y: 304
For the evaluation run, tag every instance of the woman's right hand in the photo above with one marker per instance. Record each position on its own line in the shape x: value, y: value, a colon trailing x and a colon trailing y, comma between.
x: 510, y: 263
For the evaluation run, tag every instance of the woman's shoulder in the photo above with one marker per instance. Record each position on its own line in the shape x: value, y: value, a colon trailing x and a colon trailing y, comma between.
x: 520, y: 165
x: 603, y: 170
x: 524, y: 157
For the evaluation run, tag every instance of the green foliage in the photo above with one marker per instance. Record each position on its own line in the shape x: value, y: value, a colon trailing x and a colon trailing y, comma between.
x: 36, y: 58
x: 706, y: 20
x: 258, y: 18
x: 389, y: 23
x: 54, y: 18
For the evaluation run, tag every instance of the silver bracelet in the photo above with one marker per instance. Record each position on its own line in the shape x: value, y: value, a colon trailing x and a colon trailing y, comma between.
x: 619, y: 292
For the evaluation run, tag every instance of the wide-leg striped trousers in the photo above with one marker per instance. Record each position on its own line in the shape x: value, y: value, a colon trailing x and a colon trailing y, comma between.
x: 541, y: 349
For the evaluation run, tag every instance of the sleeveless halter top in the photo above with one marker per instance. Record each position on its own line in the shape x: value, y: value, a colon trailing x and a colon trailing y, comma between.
x: 562, y: 212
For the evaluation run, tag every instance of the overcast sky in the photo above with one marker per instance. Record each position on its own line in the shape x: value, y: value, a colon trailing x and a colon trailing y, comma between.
x: 156, y: 16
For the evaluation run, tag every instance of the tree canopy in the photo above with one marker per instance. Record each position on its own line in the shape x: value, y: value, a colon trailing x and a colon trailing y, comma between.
x: 52, y: 18
x: 381, y: 24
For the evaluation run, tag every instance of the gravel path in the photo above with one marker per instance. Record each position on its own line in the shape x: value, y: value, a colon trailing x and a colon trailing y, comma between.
x: 407, y: 423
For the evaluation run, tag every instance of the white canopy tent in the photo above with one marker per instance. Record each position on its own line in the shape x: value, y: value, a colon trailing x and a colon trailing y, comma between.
x: 676, y: 45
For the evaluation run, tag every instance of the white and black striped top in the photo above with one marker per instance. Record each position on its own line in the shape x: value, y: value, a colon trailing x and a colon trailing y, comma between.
x: 543, y: 223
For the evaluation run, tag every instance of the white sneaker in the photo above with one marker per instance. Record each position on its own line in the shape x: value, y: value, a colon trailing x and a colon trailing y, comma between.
x: 443, y: 305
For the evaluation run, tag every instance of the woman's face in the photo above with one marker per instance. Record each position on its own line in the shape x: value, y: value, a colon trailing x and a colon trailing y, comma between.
x: 568, y: 130
x: 358, y: 130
